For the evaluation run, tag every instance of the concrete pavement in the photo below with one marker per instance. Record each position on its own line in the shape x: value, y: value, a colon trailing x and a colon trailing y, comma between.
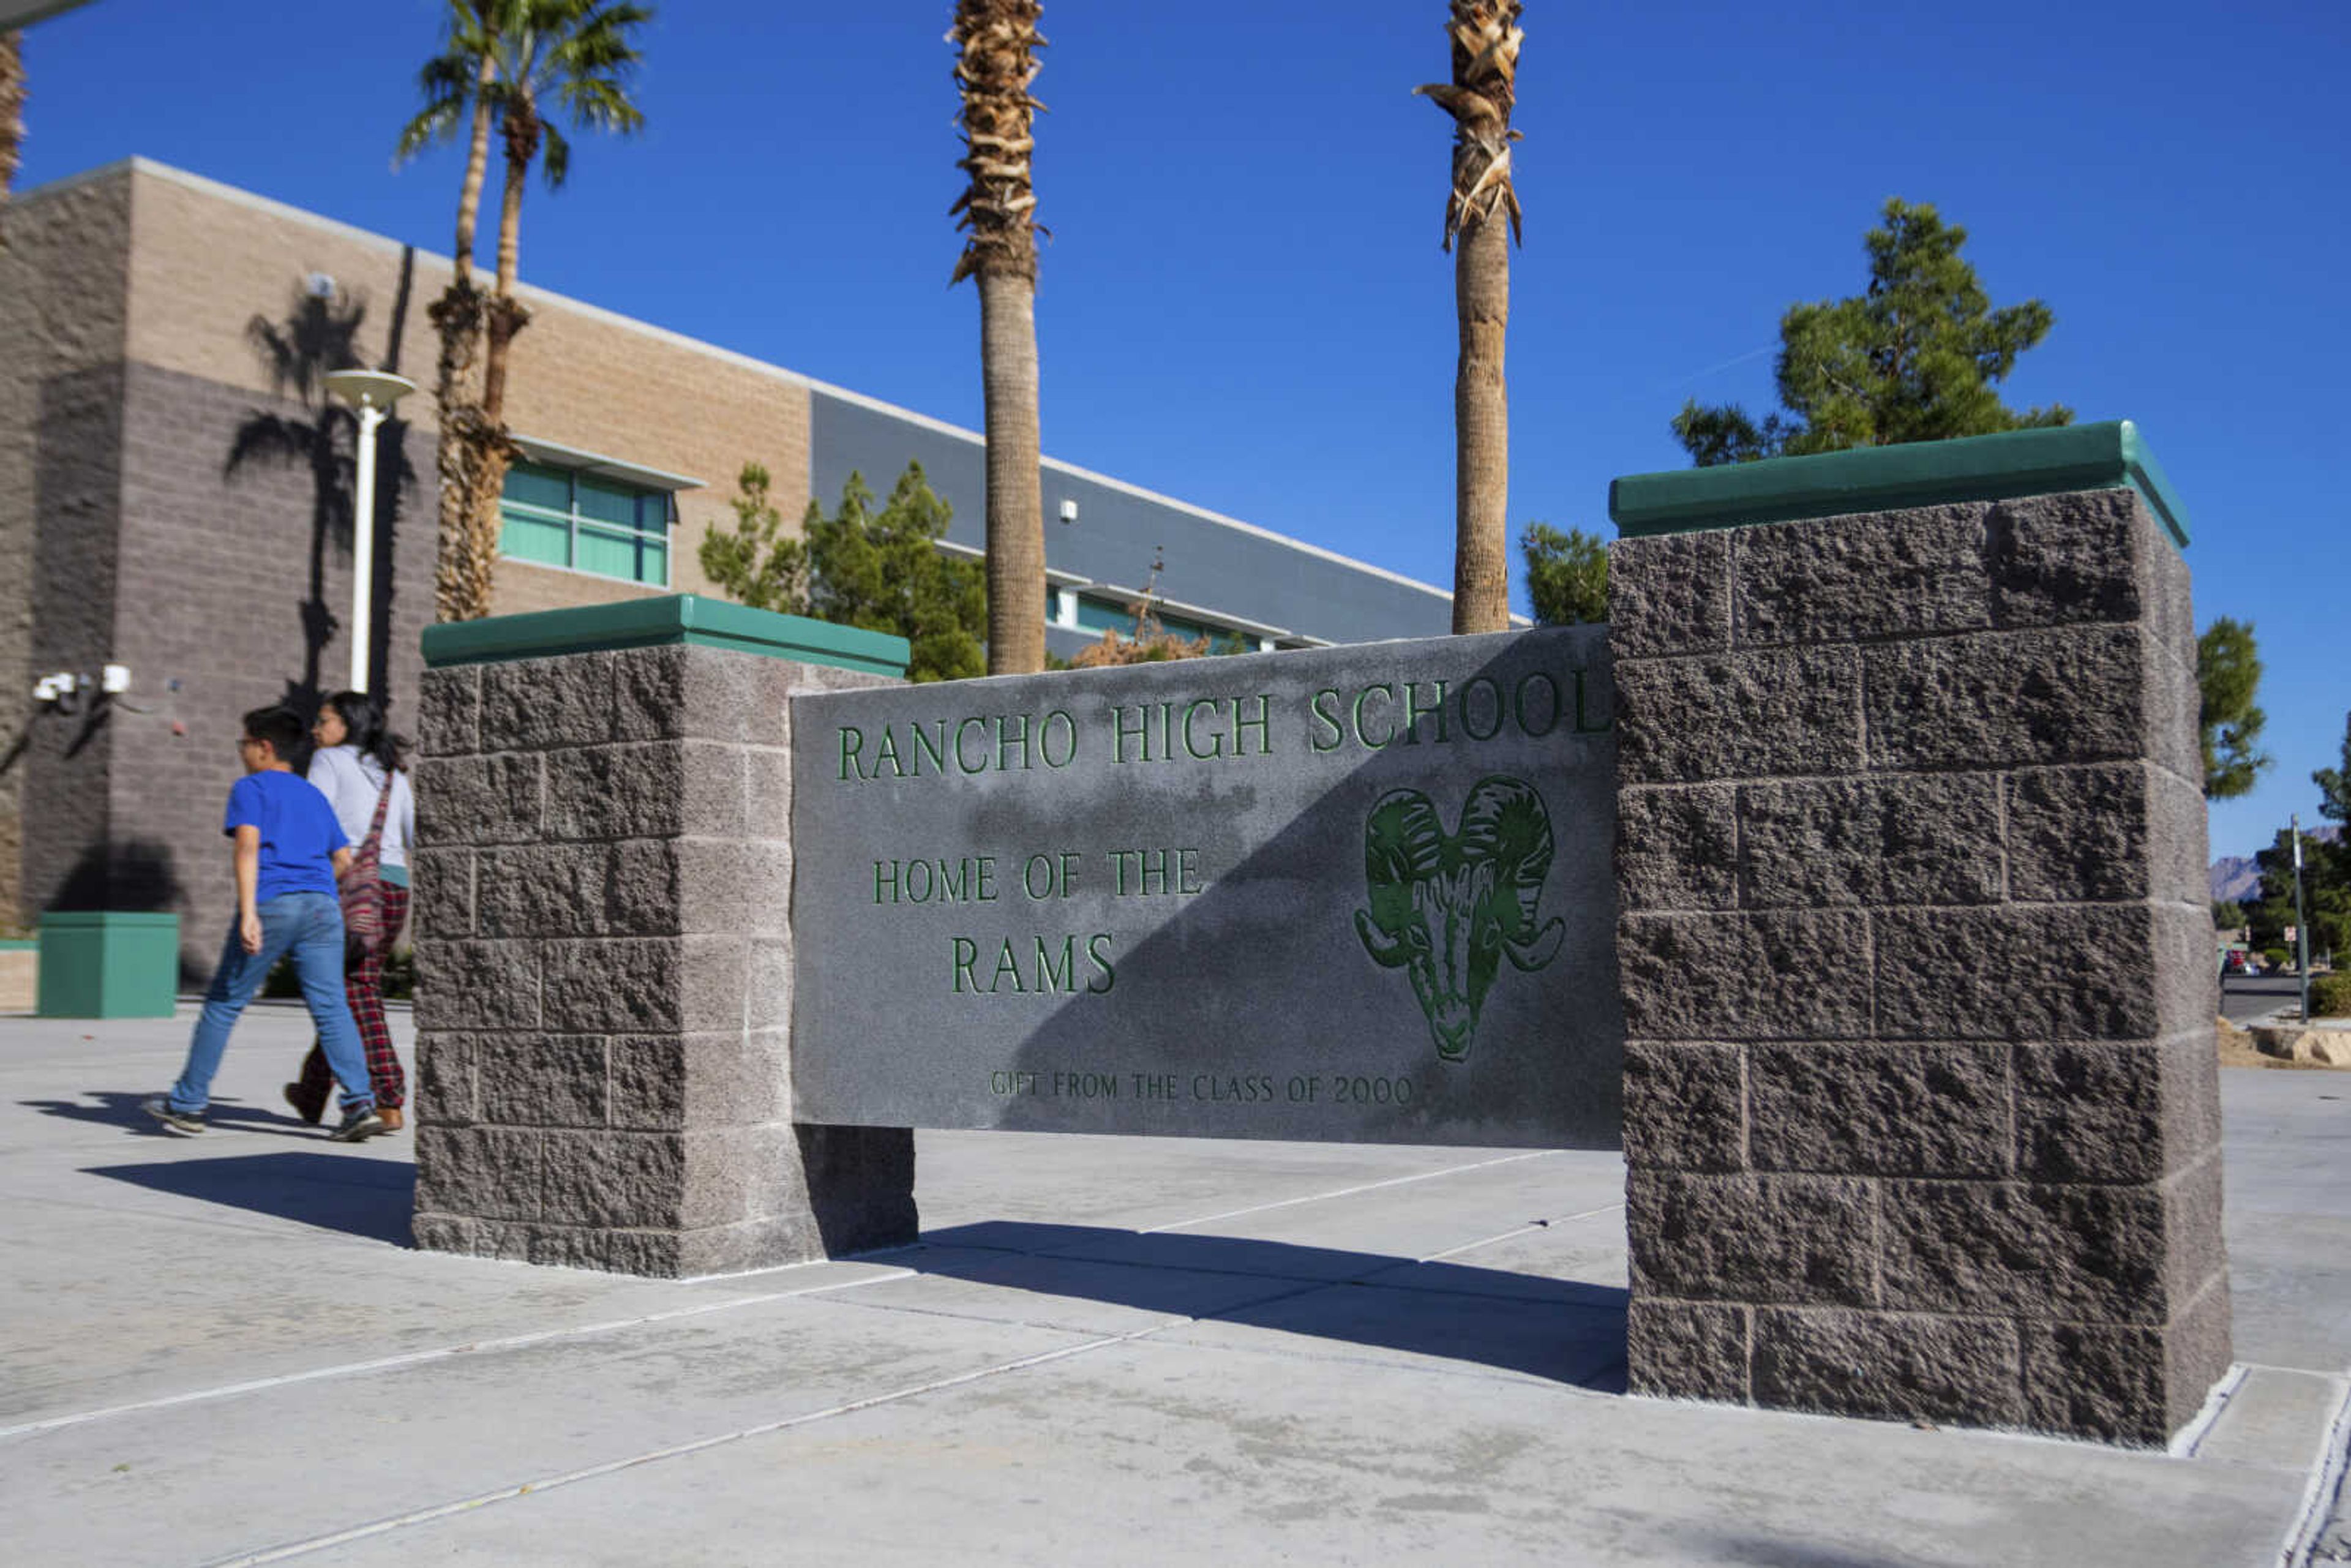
x: 220, y: 1350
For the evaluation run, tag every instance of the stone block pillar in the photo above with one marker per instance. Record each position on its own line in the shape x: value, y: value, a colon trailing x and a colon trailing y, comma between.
x: 1921, y: 1102
x: 602, y: 924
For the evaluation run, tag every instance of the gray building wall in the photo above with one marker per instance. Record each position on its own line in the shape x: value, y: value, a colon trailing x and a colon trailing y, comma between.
x: 1211, y: 562
x: 197, y: 532
x: 235, y: 587
x: 63, y: 298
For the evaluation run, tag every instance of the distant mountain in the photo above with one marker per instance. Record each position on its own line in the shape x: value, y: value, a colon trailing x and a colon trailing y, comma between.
x: 2236, y: 878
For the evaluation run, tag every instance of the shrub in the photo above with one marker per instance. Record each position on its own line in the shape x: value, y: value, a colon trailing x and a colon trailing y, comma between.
x: 2330, y: 995
x: 2277, y: 957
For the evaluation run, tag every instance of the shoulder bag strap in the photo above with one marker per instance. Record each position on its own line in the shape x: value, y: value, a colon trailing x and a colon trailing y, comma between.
x: 382, y: 800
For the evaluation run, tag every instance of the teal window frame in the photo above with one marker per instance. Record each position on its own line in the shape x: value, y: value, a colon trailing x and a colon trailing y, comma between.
x: 647, y: 534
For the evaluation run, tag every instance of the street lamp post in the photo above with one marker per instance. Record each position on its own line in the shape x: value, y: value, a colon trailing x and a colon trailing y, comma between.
x: 2301, y: 924
x: 371, y: 393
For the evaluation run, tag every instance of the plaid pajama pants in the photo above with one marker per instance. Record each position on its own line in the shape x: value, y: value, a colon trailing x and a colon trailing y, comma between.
x: 363, y: 987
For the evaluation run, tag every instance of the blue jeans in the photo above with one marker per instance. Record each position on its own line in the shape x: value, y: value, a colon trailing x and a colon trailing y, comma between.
x: 310, y: 926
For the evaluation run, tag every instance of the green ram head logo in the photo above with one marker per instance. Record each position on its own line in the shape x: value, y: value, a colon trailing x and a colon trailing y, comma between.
x: 1446, y: 909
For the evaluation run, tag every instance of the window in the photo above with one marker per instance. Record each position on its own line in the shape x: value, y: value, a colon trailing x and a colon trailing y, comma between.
x: 1095, y: 615
x: 562, y: 517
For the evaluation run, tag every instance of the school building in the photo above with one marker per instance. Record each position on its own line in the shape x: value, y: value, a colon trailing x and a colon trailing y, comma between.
x: 176, y: 499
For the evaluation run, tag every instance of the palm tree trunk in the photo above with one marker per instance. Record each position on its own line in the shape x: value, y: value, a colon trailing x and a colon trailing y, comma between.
x: 12, y: 115
x: 997, y: 43
x: 462, y: 576
x: 507, y: 314
x: 1016, y: 502
x: 1485, y: 38
x: 1481, y: 428
x: 478, y: 168
x: 489, y: 448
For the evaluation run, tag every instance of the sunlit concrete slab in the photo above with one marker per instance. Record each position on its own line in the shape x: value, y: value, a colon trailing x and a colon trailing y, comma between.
x: 1103, y: 1349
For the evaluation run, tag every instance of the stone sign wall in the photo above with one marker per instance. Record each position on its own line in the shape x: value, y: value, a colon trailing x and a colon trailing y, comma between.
x: 1360, y: 894
x: 1861, y: 855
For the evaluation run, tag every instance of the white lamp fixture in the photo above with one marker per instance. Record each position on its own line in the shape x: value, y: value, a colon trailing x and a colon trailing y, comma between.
x: 372, y: 394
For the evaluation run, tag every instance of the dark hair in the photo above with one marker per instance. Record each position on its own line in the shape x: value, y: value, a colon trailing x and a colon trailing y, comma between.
x: 280, y: 726
x: 362, y: 715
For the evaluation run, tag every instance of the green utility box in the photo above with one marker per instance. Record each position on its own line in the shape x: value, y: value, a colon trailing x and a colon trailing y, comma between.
x: 108, y: 964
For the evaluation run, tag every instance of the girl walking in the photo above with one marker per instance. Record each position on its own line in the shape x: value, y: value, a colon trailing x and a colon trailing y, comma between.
x: 357, y: 766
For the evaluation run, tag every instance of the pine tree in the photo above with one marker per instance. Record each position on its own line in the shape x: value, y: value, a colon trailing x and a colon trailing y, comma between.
x: 1567, y: 576
x: 881, y: 569
x: 2227, y: 679
x: 1913, y: 358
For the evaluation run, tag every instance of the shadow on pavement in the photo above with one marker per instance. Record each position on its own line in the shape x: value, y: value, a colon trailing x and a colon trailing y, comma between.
x: 339, y: 1191
x: 113, y: 1107
x: 1562, y: 1330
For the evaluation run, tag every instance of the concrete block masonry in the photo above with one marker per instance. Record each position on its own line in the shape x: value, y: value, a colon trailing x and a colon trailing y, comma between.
x: 1920, y: 1101
x: 604, y: 880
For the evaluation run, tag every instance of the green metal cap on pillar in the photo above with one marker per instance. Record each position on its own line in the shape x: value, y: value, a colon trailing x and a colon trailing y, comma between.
x: 2108, y: 456
x: 674, y: 618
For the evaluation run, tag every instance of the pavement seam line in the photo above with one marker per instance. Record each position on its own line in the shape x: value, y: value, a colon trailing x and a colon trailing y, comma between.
x: 655, y: 1456
x: 2326, y: 1477
x: 420, y: 1357
x: 1521, y: 1230
x: 2185, y: 1442
x: 517, y: 1341
x: 1350, y: 1191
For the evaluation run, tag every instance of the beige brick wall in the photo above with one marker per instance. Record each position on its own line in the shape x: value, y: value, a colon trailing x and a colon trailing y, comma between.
x: 62, y: 312
x: 523, y: 587
x: 207, y: 261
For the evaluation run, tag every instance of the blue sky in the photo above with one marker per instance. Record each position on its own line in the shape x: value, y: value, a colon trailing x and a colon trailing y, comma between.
x: 1244, y: 304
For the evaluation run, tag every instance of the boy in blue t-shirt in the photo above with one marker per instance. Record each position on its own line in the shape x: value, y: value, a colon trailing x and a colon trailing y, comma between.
x: 288, y: 851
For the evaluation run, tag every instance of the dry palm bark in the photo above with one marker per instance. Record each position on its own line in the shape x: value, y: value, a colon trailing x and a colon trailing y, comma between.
x: 12, y: 116
x: 997, y: 40
x: 1486, y: 37
x: 468, y: 555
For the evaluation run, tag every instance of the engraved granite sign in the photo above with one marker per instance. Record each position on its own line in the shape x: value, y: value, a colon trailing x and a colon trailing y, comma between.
x: 1359, y: 892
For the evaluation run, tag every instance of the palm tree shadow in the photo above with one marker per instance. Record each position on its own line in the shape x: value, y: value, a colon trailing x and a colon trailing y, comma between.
x: 1563, y: 1331
x: 319, y: 333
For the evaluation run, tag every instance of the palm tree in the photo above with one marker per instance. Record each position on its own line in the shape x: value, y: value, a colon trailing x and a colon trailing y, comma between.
x: 575, y: 57
x: 516, y: 63
x: 997, y: 41
x: 11, y: 113
x: 455, y: 82
x: 1486, y: 39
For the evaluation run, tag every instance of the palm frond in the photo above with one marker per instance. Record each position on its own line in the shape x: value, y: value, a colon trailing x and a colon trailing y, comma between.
x: 559, y: 157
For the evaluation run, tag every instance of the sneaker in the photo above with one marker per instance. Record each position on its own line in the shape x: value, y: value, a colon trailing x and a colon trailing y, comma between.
x: 309, y: 1110
x: 160, y: 1107
x: 358, y: 1127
